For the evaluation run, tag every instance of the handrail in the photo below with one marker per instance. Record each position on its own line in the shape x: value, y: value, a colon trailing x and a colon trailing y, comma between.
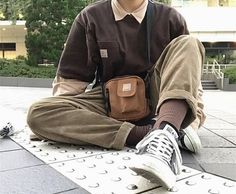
x: 216, y: 69
x: 208, y: 67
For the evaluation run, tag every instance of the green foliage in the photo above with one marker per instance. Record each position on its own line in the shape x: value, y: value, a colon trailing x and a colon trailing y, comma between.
x: 13, y: 9
x: 48, y: 23
x: 231, y: 74
x: 19, y: 68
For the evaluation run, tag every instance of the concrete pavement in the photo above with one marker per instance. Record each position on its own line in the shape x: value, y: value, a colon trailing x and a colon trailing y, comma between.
x: 49, y: 167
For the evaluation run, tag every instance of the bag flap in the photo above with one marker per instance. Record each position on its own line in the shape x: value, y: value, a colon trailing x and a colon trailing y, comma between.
x: 127, y: 87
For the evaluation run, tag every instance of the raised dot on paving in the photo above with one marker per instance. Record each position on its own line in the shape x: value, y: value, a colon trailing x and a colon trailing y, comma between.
x: 91, y: 165
x: 190, y: 183
x: 115, y: 153
x: 99, y: 157
x: 132, y: 187
x: 213, y: 191
x: 44, y: 154
x: 116, y: 179
x: 70, y: 170
x: 80, y: 160
x: 186, y: 170
x: 94, y: 185
x: 109, y: 162
x: 80, y: 177
x: 173, y: 189
x: 71, y: 156
x: 126, y: 158
x: 102, y: 172
x: 206, y: 177
x: 63, y: 151
x: 122, y: 167
x: 228, y: 184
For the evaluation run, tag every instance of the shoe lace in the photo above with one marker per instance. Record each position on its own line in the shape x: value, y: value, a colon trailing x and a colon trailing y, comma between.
x: 162, y: 144
x: 162, y: 147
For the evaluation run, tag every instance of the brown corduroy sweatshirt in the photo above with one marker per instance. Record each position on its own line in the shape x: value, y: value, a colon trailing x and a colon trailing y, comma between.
x: 120, y: 46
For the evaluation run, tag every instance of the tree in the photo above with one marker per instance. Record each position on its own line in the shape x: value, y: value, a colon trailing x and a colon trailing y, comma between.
x: 48, y: 23
x: 13, y: 9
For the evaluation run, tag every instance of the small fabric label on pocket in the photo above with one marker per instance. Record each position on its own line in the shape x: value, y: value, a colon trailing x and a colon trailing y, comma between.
x: 103, y: 53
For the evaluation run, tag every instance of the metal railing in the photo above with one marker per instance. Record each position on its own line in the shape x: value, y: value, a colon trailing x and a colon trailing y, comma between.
x: 208, y: 68
x: 216, y: 69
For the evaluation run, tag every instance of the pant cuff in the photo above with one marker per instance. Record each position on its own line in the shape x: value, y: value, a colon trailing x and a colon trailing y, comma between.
x: 122, y: 135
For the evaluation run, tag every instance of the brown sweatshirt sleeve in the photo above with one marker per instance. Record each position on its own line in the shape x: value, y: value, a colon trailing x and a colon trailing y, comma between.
x: 75, y: 61
x: 177, y: 24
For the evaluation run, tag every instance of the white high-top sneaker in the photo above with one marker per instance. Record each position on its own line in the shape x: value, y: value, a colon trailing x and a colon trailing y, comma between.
x: 160, y: 157
x: 189, y: 140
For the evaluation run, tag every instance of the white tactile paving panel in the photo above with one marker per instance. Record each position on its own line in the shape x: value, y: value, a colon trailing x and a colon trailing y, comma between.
x: 107, y: 171
x: 51, y: 152
x: 110, y: 173
x: 200, y: 184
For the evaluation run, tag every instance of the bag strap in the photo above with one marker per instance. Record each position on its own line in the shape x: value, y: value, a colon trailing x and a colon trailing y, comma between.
x: 149, y: 26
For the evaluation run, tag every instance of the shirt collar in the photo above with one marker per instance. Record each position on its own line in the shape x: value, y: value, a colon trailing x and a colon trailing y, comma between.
x: 120, y: 13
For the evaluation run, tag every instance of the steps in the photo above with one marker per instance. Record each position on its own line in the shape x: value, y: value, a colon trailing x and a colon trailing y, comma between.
x: 209, y: 85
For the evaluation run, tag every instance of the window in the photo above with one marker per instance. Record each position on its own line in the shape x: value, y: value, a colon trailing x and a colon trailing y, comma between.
x: 7, y: 46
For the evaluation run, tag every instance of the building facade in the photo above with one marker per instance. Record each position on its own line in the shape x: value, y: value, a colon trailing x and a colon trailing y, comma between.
x: 12, y: 39
x: 213, y: 23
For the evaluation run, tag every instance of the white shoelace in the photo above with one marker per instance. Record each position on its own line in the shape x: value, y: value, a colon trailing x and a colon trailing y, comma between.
x: 161, y: 146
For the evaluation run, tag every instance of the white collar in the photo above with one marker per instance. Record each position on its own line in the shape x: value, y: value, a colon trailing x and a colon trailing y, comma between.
x: 120, y: 13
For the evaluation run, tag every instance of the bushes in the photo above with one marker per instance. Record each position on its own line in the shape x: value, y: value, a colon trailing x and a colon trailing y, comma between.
x: 19, y: 68
x: 231, y: 74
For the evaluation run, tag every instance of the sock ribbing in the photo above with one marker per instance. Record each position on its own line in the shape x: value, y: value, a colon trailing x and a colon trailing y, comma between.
x: 173, y: 112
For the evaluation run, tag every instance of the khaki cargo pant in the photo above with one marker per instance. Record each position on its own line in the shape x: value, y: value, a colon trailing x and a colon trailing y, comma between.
x: 82, y: 119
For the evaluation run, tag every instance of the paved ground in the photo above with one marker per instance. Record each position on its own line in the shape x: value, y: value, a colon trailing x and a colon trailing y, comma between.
x: 48, y: 167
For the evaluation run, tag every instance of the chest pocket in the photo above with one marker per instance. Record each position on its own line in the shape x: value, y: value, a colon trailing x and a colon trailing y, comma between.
x: 109, y: 52
x: 111, y: 57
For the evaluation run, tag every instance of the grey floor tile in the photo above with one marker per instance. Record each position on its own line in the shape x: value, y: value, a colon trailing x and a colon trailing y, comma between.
x: 194, y: 166
x: 217, y: 124
x: 216, y: 142
x: 232, y: 139
x: 6, y: 144
x: 224, y: 115
x: 227, y: 170
x: 190, y: 161
x: 188, y: 157
x: 225, y: 133
x: 216, y: 155
x: 34, y: 180
x: 230, y: 120
x: 17, y: 159
x: 205, y: 132
x: 216, y: 138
